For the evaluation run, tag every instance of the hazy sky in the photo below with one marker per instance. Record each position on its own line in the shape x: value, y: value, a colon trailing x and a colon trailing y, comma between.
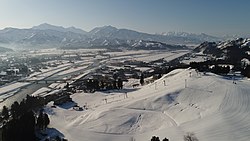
x: 215, y: 17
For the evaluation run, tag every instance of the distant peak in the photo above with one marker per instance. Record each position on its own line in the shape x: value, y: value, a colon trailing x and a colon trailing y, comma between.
x: 106, y: 28
x: 46, y: 26
x: 72, y: 27
x: 9, y: 28
x: 109, y: 27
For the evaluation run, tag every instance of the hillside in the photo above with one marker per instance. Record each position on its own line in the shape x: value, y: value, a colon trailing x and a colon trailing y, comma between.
x: 210, y: 106
x: 232, y: 50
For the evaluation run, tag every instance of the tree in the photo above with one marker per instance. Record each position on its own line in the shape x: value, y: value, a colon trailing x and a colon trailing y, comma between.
x: 120, y: 84
x: 46, y: 120
x: 115, y: 75
x: 165, y: 139
x: 15, y: 110
x: 246, y: 71
x: 142, y: 79
x: 20, y: 129
x: 190, y: 137
x: 58, y: 138
x: 40, y: 121
x: 43, y: 120
x: 154, y: 138
x: 5, y: 113
x: 114, y: 84
x: 159, y: 76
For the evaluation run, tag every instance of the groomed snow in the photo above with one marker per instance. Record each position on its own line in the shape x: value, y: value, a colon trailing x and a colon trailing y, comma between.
x: 210, y: 106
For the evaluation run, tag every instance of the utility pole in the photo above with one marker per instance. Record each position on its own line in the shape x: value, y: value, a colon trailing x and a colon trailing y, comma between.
x: 125, y: 95
x: 185, y: 83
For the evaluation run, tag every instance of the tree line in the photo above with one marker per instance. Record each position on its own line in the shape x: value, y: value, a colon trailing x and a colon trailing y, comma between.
x: 220, y: 69
x: 92, y: 85
x: 188, y: 137
x: 19, y: 121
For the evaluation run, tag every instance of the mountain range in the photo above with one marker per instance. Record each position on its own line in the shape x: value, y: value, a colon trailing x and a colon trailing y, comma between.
x: 46, y: 35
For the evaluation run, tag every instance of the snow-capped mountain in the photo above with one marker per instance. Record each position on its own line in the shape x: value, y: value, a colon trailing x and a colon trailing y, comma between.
x: 46, y: 35
x: 46, y: 26
x: 130, y: 44
x: 202, y: 36
x: 233, y: 49
x: 105, y: 31
x: 38, y: 38
x: 170, y: 38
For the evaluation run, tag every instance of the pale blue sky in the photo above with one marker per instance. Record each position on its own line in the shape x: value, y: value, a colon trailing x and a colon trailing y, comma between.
x: 215, y: 17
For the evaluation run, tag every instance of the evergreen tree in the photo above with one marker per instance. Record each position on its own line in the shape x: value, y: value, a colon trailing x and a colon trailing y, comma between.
x: 40, y: 121
x: 246, y: 71
x: 165, y: 139
x: 46, y: 120
x: 120, y: 83
x: 15, y: 110
x: 102, y: 85
x: 21, y: 129
x: 154, y: 138
x: 114, y: 85
x: 5, y: 113
x: 142, y: 79
x: 58, y: 138
x: 159, y: 76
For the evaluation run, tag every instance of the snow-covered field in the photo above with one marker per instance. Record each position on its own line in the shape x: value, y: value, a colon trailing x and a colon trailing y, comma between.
x: 147, y: 55
x: 168, y: 56
x: 11, y: 89
x: 210, y: 106
x: 188, y: 60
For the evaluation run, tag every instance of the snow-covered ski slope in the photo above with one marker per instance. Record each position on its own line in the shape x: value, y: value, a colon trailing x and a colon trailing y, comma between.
x: 211, y: 106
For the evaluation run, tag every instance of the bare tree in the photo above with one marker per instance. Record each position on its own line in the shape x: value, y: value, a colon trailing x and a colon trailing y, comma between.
x: 190, y: 137
x: 132, y: 139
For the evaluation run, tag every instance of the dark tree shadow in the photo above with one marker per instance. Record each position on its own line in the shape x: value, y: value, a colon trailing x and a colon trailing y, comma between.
x: 120, y: 91
x: 67, y: 105
x: 49, y: 133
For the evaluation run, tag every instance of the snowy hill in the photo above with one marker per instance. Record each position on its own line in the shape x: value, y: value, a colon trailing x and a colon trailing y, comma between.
x: 210, y: 106
x: 236, y: 49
